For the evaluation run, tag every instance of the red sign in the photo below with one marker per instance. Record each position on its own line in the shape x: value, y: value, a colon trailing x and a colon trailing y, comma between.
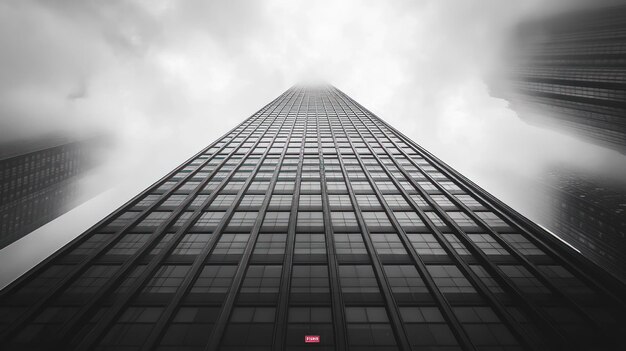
x: 311, y: 339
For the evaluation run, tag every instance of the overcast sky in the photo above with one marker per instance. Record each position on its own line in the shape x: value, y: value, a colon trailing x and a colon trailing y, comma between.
x: 167, y: 78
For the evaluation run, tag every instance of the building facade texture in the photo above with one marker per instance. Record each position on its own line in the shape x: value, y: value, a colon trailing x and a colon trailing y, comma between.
x: 313, y: 220
x: 38, y: 183
x: 568, y: 72
x: 588, y: 213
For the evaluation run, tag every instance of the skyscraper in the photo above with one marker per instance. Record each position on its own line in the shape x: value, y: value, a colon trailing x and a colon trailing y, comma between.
x: 313, y: 225
x: 589, y: 213
x: 39, y: 182
x: 568, y: 72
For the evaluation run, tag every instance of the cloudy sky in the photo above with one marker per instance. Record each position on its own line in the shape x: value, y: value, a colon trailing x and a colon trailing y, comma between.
x: 166, y: 78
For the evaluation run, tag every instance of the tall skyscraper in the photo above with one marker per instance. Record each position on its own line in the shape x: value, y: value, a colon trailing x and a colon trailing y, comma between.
x: 568, y: 72
x: 589, y: 213
x: 39, y: 182
x: 314, y: 225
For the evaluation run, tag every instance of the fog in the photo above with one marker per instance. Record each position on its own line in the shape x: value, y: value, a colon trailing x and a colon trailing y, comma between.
x: 166, y: 78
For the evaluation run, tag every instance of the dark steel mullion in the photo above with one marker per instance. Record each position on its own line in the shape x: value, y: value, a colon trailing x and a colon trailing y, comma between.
x: 443, y: 304
x: 333, y: 265
x: 476, y: 281
x: 527, y: 264
x: 385, y: 288
x: 83, y: 265
x: 198, y: 263
x: 229, y: 302
x: 285, y: 283
x: 495, y: 205
x: 108, y: 318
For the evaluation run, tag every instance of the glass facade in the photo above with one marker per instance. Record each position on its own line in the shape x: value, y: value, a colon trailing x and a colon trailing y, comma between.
x: 313, y: 217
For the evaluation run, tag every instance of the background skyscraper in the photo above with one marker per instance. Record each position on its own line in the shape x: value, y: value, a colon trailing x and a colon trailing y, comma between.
x: 314, y: 218
x: 568, y: 72
x: 39, y: 181
x: 588, y: 212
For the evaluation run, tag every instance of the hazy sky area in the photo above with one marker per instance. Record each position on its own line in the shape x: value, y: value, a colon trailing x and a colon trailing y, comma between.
x: 167, y: 78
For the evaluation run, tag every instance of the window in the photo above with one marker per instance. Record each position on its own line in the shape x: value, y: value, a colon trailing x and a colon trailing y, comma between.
x: 389, y: 247
x: 251, y: 201
x: 310, y: 222
x: 427, y: 329
x: 483, y: 326
x: 339, y: 201
x: 242, y: 221
x: 155, y: 219
x: 521, y: 244
x: 90, y: 281
x: 361, y: 186
x: 190, y: 328
x: 310, y: 201
x: 377, y: 221
x: 566, y: 281
x: 449, y: 279
x: 269, y: 247
x: 229, y: 247
x: 174, y: 200
x: 525, y: 280
x: 132, y: 328
x: 409, y: 221
x: 336, y: 187
x: 309, y: 321
x: 386, y: 187
x: 91, y: 244
x: 462, y: 219
x: 358, y: 283
x: 492, y: 219
x: 129, y: 244
x: 487, y: 244
x: 368, y: 328
x: 261, y: 283
x: 469, y: 201
x: 442, y: 201
x: 406, y: 283
x: 426, y: 244
x: 310, y: 187
x: 275, y: 221
x: 259, y: 186
x: 395, y: 201
x: 191, y: 244
x: 368, y: 201
x: 148, y: 200
x: 456, y: 243
x: 208, y: 221
x: 344, y: 221
x: 487, y: 279
x: 281, y: 202
x: 450, y: 186
x: 234, y: 186
x: 437, y: 221
x: 284, y: 187
x: 212, y: 283
x: 350, y: 247
x: 309, y: 283
x: 310, y: 248
x: 250, y: 328
x: 166, y: 280
x: 220, y: 201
